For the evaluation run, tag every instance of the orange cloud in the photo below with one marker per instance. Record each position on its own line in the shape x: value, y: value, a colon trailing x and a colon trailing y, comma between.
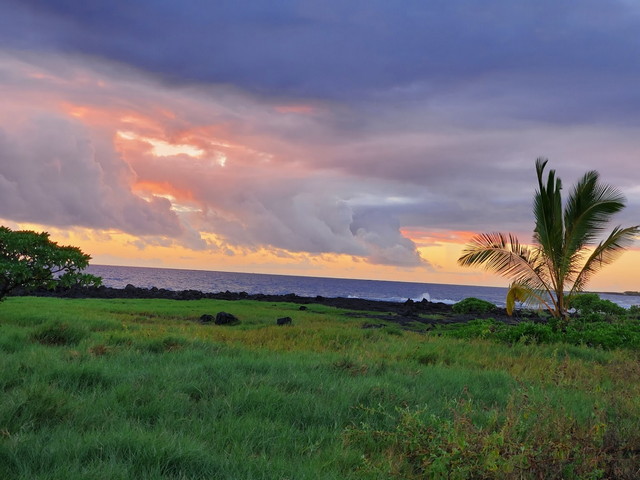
x: 435, y: 237
x: 146, y: 187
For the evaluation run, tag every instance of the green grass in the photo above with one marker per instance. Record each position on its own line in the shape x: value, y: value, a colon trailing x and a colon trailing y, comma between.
x: 121, y: 389
x: 619, y: 332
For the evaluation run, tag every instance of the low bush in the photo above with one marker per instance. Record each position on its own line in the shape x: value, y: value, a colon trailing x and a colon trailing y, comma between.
x: 592, y: 308
x: 624, y: 333
x: 527, y: 332
x: 621, y: 334
x: 634, y: 311
x: 485, y: 328
x: 473, y: 305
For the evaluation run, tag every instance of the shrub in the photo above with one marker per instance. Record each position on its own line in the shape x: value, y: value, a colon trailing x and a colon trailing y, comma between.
x: 527, y: 332
x: 607, y: 335
x: 592, y: 308
x: 479, y: 328
x: 473, y: 305
x: 634, y: 311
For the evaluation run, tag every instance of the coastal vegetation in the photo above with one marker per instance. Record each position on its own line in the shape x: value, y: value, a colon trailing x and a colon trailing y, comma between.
x: 31, y: 260
x: 564, y: 255
x: 126, y: 388
x: 595, y: 323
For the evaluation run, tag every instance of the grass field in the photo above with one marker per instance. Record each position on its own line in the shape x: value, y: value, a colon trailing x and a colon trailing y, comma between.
x: 124, y: 389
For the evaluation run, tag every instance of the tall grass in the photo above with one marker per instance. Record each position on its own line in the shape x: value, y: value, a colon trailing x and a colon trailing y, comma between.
x: 141, y: 389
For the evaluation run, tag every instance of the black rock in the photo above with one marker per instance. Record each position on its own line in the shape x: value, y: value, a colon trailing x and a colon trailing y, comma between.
x: 206, y: 318
x: 302, y: 307
x: 189, y: 295
x: 284, y: 321
x: 224, y: 318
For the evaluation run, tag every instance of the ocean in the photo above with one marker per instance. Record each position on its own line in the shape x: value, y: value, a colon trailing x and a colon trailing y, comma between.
x: 253, y: 283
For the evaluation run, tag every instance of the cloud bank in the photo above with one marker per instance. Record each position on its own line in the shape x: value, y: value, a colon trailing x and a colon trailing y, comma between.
x: 289, y: 126
x: 122, y: 152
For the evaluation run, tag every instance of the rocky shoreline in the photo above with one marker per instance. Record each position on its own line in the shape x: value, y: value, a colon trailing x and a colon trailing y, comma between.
x: 402, y: 313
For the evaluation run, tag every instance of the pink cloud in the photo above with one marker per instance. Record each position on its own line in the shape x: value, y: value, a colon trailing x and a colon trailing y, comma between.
x: 122, y: 152
x: 107, y: 147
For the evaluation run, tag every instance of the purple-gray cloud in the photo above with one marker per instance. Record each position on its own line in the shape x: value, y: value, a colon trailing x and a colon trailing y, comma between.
x: 353, y: 50
x: 53, y: 171
x: 422, y: 114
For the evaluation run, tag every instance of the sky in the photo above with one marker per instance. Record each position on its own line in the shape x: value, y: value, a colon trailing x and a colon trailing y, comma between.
x: 361, y: 139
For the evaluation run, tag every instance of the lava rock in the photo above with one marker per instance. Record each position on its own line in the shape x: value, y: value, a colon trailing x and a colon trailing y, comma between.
x: 189, y: 295
x: 206, y: 318
x: 284, y: 321
x: 224, y: 318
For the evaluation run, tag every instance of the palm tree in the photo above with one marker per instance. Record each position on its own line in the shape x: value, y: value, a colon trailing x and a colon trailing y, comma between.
x: 564, y: 255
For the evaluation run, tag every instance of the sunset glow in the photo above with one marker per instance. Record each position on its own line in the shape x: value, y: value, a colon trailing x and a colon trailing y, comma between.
x: 344, y: 160
x: 162, y: 148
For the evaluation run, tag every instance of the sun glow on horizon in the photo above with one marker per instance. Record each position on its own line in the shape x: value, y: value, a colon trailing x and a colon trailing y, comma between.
x: 112, y: 247
x: 162, y: 148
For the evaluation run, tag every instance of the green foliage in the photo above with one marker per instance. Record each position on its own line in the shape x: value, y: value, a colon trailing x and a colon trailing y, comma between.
x: 634, y: 311
x: 473, y: 305
x: 148, y: 392
x: 565, y: 254
x: 34, y: 408
x: 624, y: 333
x: 527, y: 332
x: 31, y: 260
x: 592, y: 308
x: 167, y: 344
x: 529, y: 439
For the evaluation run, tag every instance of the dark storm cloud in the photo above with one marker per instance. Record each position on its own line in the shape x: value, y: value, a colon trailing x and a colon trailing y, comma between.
x: 347, y: 50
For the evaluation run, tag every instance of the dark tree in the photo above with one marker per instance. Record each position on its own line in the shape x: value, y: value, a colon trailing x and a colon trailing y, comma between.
x: 31, y: 260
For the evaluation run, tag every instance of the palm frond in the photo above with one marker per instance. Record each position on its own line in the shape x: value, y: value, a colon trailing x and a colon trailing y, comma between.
x: 547, y: 210
x: 589, y: 208
x: 605, y: 253
x: 522, y: 293
x: 506, y: 256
